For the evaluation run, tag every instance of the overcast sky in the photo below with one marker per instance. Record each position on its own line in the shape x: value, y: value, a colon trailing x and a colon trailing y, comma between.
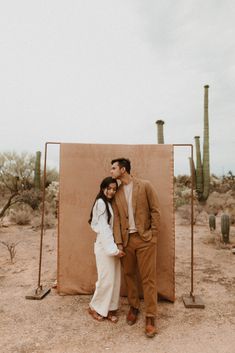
x: 103, y: 71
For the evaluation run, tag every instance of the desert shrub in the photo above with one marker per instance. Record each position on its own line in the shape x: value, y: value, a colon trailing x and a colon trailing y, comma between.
x: 232, y: 216
x: 185, y: 213
x: 221, y: 199
x: 52, y: 197
x: 31, y: 197
x: 201, y: 217
x: 182, y: 196
x: 49, y: 221
x: 2, y: 189
x: 52, y: 176
x: 184, y: 180
x: 16, y: 176
x: 199, y: 214
x: 217, y: 202
x: 223, y: 184
x: 214, y: 203
x: 21, y: 215
x: 52, y: 191
x: 11, y: 247
x: 178, y: 202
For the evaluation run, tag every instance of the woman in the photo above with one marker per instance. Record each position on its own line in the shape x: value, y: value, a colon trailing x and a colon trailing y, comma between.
x: 104, y: 303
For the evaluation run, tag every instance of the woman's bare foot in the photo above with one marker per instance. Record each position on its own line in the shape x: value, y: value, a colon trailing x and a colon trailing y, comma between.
x: 112, y: 316
x: 95, y: 315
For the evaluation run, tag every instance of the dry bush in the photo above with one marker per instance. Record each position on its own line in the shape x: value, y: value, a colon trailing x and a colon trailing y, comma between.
x: 213, y: 239
x: 31, y: 197
x: 201, y: 217
x: 217, y: 202
x: 184, y: 212
x: 223, y: 184
x: 52, y: 176
x: 49, y: 221
x: 182, y: 196
x: 221, y: 200
x: 16, y: 175
x: 210, y: 239
x: 52, y: 198
x: 184, y: 180
x: 179, y: 202
x: 232, y: 216
x: 11, y: 247
x: 2, y: 189
x: 21, y: 215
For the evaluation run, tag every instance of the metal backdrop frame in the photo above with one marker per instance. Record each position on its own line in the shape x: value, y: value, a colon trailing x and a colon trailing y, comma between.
x: 190, y: 300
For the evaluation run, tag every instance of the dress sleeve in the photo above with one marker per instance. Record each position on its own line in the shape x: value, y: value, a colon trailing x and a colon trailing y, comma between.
x: 105, y: 230
x: 116, y: 225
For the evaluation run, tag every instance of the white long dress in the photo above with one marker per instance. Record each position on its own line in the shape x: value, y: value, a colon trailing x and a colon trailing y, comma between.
x: 107, y: 291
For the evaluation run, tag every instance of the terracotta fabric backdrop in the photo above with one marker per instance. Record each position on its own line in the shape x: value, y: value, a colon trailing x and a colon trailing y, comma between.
x: 82, y: 167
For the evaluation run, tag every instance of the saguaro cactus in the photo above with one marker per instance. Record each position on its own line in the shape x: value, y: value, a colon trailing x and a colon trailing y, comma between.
x: 225, y: 227
x: 203, y: 168
x: 206, y: 158
x: 212, y: 222
x: 37, y: 171
x: 199, y: 173
x: 160, y: 134
x: 192, y: 170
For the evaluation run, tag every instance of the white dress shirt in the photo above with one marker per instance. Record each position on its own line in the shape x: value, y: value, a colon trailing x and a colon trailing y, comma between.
x: 128, y: 189
x: 104, y: 230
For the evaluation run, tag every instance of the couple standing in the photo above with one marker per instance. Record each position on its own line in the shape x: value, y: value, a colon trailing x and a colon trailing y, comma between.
x: 126, y: 220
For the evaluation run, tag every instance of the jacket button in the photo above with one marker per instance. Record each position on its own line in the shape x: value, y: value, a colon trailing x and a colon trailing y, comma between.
x: 126, y: 217
x: 127, y: 228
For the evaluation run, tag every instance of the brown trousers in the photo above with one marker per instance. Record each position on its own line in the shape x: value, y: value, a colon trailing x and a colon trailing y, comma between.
x: 142, y: 254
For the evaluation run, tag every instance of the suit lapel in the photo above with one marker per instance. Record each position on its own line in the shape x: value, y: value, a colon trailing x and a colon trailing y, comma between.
x: 121, y: 199
x: 134, y: 194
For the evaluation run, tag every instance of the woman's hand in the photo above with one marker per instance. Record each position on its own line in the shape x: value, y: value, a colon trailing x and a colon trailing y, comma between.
x: 121, y: 253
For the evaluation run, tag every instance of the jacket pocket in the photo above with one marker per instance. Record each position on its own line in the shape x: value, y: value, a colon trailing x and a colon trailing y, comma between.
x: 147, y: 235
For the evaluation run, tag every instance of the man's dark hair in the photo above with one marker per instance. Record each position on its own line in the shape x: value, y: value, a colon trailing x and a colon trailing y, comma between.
x: 123, y: 162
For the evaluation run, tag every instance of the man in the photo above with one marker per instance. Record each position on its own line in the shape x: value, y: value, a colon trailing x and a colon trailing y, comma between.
x: 136, y: 227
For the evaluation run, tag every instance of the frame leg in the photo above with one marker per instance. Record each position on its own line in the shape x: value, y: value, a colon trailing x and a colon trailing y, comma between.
x: 193, y: 301
x: 39, y: 293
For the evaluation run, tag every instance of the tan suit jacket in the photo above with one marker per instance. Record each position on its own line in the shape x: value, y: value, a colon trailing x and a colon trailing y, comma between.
x: 145, y: 208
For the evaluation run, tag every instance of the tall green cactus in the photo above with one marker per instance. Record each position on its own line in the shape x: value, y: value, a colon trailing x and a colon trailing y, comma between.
x: 225, y: 227
x: 206, y: 157
x: 203, y: 168
x: 199, y: 173
x: 160, y: 134
x: 37, y: 171
x: 212, y: 222
x: 192, y: 170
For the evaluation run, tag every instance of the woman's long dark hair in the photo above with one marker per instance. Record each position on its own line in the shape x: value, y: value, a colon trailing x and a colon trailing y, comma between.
x: 104, y: 184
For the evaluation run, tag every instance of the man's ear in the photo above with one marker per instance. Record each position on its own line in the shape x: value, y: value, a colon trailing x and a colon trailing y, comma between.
x: 123, y: 170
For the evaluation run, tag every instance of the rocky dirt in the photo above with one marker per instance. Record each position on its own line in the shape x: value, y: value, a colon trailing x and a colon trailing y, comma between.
x: 60, y: 324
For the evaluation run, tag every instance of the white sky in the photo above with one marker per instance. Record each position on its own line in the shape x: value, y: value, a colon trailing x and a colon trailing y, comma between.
x: 103, y: 71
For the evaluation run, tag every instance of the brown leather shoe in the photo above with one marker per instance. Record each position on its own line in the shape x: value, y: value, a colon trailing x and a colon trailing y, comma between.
x: 150, y: 329
x: 132, y: 316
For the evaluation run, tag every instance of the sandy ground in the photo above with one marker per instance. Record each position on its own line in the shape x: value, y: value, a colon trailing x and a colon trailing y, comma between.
x: 60, y: 324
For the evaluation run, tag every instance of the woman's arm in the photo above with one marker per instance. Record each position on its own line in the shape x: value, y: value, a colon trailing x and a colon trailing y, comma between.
x: 105, y: 230
x: 117, y: 226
